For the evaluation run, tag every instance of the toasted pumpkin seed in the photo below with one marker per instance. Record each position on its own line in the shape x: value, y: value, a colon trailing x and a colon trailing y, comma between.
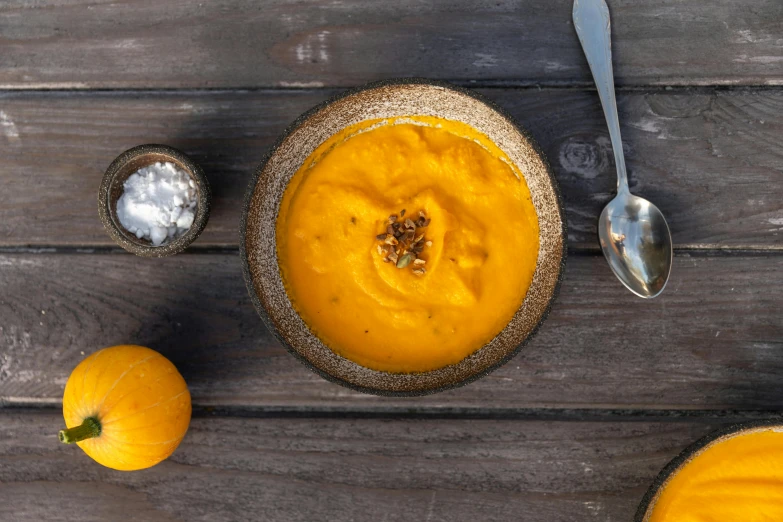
x: 404, y: 261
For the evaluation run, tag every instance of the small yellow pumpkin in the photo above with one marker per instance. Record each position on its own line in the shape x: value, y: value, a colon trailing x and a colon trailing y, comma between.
x: 127, y: 407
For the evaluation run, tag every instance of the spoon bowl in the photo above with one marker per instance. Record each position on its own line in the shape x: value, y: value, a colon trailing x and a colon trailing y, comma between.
x: 636, y: 241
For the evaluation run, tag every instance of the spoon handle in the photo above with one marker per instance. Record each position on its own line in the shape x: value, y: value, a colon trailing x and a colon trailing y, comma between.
x: 591, y: 20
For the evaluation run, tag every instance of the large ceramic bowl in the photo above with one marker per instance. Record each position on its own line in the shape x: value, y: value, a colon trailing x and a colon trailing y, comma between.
x: 647, y: 505
x: 386, y: 99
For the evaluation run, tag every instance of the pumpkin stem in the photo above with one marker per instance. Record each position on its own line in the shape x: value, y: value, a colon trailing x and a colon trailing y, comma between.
x: 88, y: 429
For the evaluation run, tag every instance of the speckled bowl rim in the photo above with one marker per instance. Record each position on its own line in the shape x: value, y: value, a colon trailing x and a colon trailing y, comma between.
x: 202, y: 206
x: 691, y: 452
x: 264, y: 314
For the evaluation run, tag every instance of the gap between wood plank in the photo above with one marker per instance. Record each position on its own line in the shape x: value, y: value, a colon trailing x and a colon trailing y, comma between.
x: 43, y: 405
x: 674, y: 88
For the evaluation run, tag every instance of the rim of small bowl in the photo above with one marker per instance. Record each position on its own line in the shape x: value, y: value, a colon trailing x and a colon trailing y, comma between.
x: 123, y: 166
x: 646, y: 506
x: 270, y: 324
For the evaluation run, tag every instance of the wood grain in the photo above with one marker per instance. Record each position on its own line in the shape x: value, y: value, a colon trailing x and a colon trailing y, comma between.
x: 192, y: 43
x: 711, y: 342
x: 351, y: 469
x: 710, y: 160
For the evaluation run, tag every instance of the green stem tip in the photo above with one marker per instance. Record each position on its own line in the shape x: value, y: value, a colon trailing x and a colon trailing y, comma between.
x: 88, y: 429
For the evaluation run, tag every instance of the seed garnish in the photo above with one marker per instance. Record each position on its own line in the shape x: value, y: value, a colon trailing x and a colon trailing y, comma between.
x: 404, y: 241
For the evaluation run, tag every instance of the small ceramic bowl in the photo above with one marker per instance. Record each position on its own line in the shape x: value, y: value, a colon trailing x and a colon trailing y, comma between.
x: 111, y: 189
x: 647, y: 504
x: 386, y: 99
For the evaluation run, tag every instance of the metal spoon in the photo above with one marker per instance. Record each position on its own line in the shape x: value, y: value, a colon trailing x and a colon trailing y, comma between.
x: 634, y: 235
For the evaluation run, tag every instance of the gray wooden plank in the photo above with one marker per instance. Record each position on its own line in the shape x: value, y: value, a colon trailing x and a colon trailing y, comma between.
x: 711, y: 342
x: 360, y: 469
x: 241, y: 43
x: 710, y: 160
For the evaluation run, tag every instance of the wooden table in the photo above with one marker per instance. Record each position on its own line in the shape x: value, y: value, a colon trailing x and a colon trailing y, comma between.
x: 574, y: 428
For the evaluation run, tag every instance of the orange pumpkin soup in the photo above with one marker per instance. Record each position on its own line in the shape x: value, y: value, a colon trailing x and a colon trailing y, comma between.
x: 739, y: 479
x: 478, y: 262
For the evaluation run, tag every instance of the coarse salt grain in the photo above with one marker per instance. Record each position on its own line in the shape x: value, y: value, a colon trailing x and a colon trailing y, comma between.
x: 158, y: 203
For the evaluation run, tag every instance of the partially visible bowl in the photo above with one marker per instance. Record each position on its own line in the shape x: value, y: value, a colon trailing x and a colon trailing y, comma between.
x: 111, y: 189
x: 386, y: 99
x: 647, y: 505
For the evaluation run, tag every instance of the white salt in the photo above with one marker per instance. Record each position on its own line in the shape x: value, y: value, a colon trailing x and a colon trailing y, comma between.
x: 158, y: 203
